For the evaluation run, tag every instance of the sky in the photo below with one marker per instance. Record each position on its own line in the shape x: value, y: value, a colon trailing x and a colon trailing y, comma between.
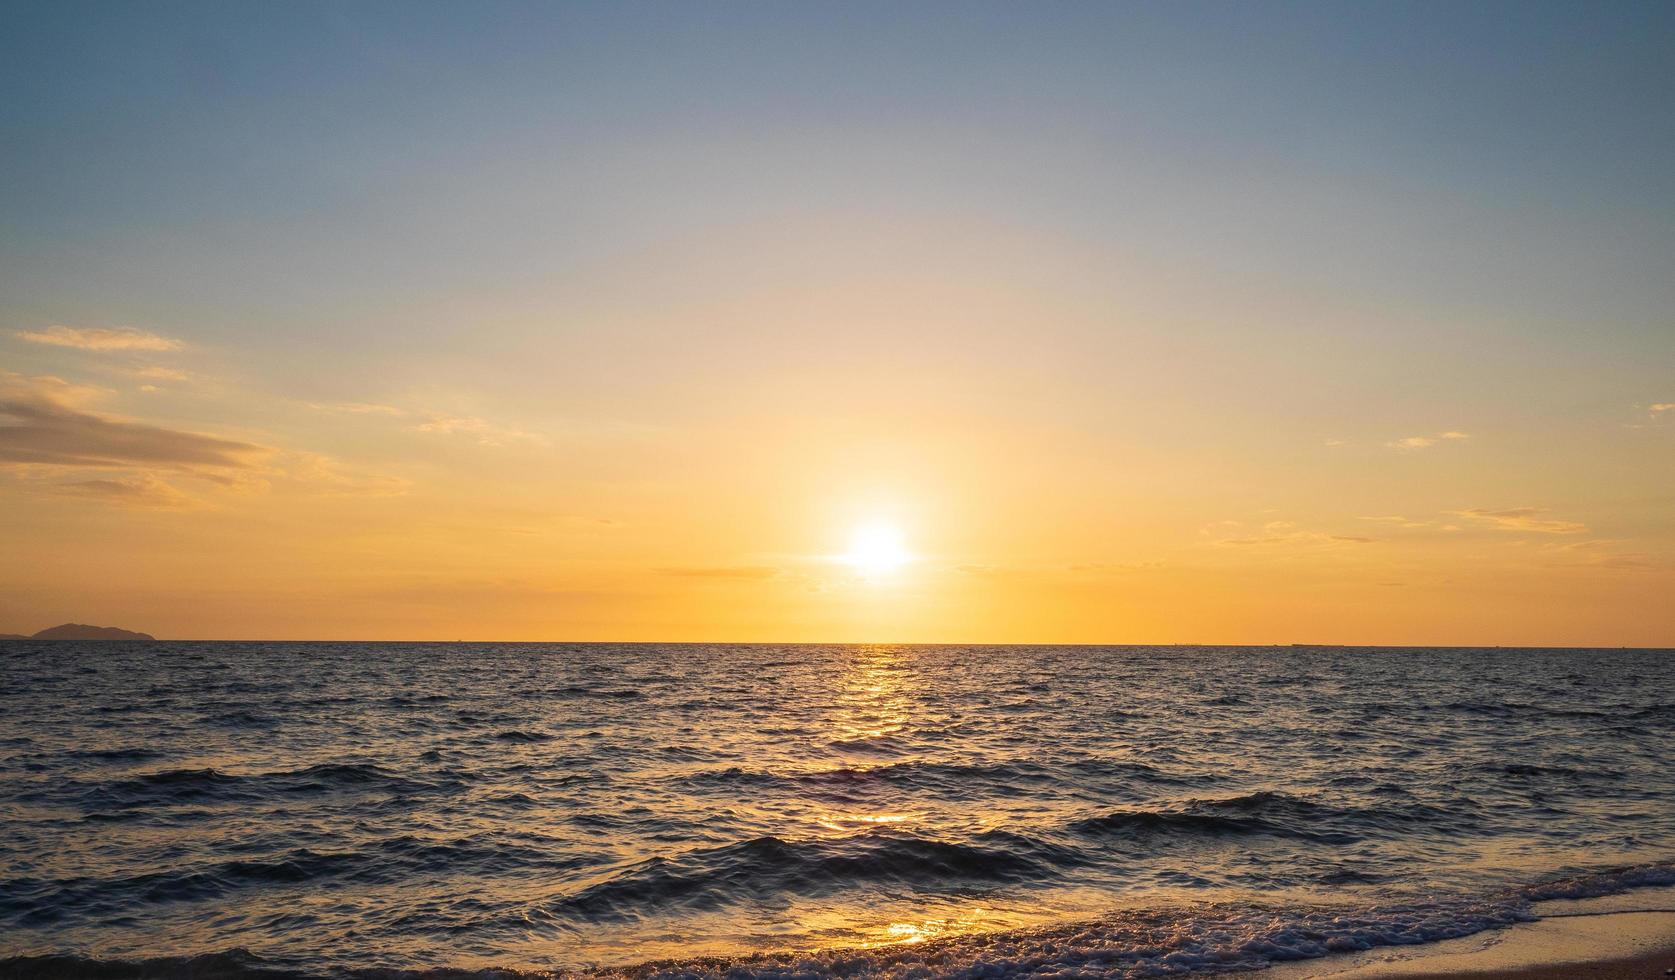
x: 1119, y: 323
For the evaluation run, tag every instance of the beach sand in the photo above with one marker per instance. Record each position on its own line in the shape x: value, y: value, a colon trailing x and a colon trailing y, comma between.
x: 1619, y: 937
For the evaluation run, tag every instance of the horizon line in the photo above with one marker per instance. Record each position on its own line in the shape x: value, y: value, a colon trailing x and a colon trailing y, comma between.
x: 15, y: 638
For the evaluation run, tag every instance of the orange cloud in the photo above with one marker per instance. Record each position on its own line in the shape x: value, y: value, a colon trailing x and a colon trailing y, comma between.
x: 142, y: 491
x: 1521, y: 519
x: 1425, y: 442
x: 100, y: 338
x: 41, y: 423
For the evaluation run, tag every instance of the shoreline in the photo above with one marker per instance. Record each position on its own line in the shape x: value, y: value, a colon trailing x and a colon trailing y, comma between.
x: 1627, y: 936
x: 1624, y: 936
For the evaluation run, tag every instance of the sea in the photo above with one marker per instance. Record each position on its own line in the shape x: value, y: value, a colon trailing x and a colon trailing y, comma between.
x: 645, y: 810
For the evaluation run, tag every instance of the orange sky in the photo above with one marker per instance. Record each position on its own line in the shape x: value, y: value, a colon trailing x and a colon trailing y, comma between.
x: 1135, y: 331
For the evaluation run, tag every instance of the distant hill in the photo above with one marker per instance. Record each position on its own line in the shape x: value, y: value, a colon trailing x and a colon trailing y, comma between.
x: 13, y: 636
x: 77, y: 631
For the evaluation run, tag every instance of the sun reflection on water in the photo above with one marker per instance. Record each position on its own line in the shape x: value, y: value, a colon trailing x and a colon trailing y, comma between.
x: 965, y: 922
x: 847, y: 822
x: 874, y: 700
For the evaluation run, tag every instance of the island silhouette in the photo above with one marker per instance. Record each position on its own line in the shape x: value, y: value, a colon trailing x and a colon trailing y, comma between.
x: 80, y: 631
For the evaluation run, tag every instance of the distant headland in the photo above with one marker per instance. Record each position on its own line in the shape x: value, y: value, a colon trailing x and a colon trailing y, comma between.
x: 79, y: 631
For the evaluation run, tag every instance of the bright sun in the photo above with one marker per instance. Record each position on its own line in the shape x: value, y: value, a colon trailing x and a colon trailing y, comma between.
x: 876, y: 548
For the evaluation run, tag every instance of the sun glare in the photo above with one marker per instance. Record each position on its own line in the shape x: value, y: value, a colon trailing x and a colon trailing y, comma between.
x: 875, y: 549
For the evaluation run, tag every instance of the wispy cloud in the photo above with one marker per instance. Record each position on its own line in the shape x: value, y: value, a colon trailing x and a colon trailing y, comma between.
x: 358, y: 408
x: 1116, y: 566
x: 721, y: 571
x: 1239, y: 534
x: 1529, y: 519
x: 141, y: 491
x: 1411, y: 443
x: 41, y: 422
x: 155, y: 372
x: 324, y: 476
x: 1598, y: 553
x: 100, y: 338
x: 485, y: 432
x: 1397, y: 520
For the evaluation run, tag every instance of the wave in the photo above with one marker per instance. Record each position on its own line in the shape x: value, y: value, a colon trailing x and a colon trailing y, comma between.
x: 1657, y: 874
x: 588, y: 691
x: 769, y: 868
x: 1213, y: 938
x: 520, y: 735
x: 389, y: 861
x: 135, y: 754
x: 958, y: 778
x: 1271, y: 814
x: 172, y: 787
x: 235, y: 964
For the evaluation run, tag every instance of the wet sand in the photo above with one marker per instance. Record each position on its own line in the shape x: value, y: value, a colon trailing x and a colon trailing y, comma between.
x: 1621, y: 937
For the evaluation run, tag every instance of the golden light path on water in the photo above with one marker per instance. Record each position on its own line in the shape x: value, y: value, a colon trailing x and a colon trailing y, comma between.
x: 873, y: 703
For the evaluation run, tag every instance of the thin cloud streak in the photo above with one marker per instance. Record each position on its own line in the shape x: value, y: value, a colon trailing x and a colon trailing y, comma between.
x: 1412, y: 443
x: 1521, y: 519
x: 141, y: 491
x: 485, y: 432
x: 101, y: 339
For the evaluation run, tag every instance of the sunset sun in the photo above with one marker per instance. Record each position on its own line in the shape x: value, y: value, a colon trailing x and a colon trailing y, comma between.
x: 876, y: 549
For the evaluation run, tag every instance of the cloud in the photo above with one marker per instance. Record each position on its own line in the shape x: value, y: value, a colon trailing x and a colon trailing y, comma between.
x: 100, y: 338
x: 1425, y: 442
x: 1521, y: 519
x: 41, y: 422
x: 48, y: 424
x: 325, y: 476
x: 1397, y: 520
x: 1598, y: 553
x: 435, y: 423
x: 142, y: 491
x: 487, y: 433
x: 50, y: 388
x: 358, y: 408
x: 153, y: 372
x: 1413, y: 442
x: 1661, y: 407
x: 1276, y: 533
x: 721, y: 571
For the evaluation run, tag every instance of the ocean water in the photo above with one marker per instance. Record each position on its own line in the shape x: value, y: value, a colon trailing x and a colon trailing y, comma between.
x: 271, y: 809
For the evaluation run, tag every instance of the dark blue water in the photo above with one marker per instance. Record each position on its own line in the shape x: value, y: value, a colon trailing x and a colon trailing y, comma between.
x: 333, y: 808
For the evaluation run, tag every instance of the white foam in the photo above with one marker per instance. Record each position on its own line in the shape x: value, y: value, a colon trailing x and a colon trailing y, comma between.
x: 1130, y: 944
x: 1154, y: 943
